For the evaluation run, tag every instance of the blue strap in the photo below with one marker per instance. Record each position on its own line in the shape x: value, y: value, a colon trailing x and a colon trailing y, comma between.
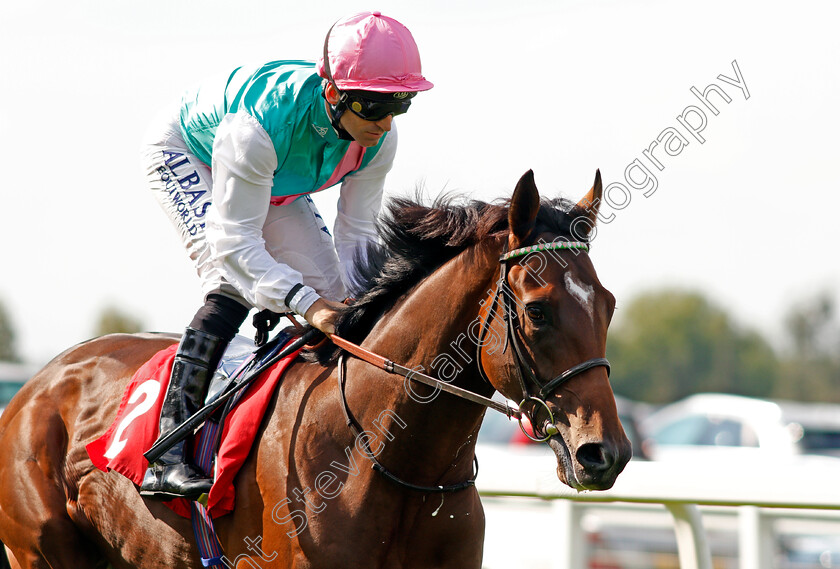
x: 209, y: 547
x: 205, y: 446
x: 212, y: 562
x: 205, y: 534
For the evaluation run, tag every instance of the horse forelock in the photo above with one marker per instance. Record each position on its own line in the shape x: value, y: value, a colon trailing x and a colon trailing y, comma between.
x: 416, y: 239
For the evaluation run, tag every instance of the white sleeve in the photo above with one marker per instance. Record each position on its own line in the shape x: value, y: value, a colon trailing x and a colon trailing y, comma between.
x: 358, y: 207
x: 244, y: 161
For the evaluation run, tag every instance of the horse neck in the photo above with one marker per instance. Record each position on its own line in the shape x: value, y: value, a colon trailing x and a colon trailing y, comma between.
x: 429, y: 331
x: 423, y: 329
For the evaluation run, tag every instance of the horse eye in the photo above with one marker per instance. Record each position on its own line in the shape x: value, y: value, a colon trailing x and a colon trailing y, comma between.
x: 534, y: 313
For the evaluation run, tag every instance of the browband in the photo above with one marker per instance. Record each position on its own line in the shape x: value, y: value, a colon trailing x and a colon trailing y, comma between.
x: 554, y: 245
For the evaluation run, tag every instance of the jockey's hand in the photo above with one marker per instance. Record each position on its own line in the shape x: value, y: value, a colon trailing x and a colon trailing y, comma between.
x: 323, y: 313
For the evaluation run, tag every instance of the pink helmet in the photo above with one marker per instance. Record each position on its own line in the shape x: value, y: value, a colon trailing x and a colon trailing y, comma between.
x: 372, y: 52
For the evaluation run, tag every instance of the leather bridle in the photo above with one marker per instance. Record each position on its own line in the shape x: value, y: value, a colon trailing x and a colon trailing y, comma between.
x: 526, y: 375
x: 528, y: 380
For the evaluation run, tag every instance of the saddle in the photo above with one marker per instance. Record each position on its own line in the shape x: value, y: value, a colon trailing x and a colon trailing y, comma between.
x: 241, y: 356
x: 225, y: 439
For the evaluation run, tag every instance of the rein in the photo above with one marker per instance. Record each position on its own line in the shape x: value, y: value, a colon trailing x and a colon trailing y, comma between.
x: 396, y: 369
x: 523, y: 369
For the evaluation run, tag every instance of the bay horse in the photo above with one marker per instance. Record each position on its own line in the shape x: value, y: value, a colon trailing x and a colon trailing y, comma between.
x: 307, y: 496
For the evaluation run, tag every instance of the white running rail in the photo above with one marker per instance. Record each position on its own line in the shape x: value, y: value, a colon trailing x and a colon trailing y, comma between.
x: 759, y: 491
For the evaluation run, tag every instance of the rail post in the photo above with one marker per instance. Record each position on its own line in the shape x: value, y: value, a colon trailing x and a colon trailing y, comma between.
x: 573, y: 548
x: 755, y: 538
x: 692, y: 546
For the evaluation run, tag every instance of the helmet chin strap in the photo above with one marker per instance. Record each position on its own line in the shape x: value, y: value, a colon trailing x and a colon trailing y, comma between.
x: 337, y: 110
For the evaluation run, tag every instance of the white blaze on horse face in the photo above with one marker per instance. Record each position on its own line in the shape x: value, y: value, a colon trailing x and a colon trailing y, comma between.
x: 582, y: 293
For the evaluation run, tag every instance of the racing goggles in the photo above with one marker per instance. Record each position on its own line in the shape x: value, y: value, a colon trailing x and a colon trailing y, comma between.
x: 373, y: 107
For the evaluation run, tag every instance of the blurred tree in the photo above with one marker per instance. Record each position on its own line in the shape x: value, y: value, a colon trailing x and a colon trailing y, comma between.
x: 811, y: 371
x: 113, y: 321
x: 8, y: 353
x: 669, y: 344
x: 813, y: 327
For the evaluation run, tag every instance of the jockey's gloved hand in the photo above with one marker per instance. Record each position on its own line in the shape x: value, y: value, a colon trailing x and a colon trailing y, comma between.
x: 264, y: 321
x: 323, y: 314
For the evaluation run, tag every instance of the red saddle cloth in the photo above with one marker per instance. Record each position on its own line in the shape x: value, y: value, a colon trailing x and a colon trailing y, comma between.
x: 136, y: 428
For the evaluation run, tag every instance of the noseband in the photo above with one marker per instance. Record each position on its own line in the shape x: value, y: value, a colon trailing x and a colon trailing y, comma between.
x: 534, y: 392
x: 527, y: 377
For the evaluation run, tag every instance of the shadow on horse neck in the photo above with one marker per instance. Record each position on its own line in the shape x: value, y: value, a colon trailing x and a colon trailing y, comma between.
x: 410, y: 312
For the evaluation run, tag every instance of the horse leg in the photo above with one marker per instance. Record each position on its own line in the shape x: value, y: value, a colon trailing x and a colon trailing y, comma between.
x: 50, y: 540
x: 454, y: 523
x: 134, y: 532
x: 36, y: 526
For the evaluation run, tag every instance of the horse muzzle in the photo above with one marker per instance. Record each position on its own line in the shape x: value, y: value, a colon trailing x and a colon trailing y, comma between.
x: 591, y: 465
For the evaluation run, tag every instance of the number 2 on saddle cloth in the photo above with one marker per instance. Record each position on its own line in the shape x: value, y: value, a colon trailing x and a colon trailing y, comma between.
x: 226, y: 436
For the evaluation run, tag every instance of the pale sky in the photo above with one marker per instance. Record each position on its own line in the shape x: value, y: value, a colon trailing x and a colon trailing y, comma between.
x: 748, y: 217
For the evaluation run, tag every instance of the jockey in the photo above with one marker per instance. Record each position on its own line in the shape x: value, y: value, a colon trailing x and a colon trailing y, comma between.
x: 233, y: 166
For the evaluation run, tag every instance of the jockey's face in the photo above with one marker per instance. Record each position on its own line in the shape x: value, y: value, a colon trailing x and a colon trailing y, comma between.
x: 366, y: 133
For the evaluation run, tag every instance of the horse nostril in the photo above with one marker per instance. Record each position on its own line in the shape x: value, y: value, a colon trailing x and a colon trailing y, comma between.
x: 591, y: 456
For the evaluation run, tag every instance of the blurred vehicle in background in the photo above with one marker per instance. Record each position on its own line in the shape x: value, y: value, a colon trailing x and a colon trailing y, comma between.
x: 704, y: 431
x: 713, y: 426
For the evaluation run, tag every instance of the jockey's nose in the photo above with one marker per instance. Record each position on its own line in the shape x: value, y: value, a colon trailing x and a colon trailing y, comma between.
x: 385, y: 124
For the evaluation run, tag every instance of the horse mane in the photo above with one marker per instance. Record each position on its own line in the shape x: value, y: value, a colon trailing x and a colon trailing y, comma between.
x: 415, y: 240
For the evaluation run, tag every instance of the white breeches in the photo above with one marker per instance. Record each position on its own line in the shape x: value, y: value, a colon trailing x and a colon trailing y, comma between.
x: 295, y: 234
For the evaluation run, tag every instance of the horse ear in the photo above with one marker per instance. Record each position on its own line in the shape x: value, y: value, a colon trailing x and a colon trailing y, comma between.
x: 522, y: 214
x: 592, y: 200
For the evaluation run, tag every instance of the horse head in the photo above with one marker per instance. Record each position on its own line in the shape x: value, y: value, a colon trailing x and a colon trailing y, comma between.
x: 550, y: 314
x: 515, y: 287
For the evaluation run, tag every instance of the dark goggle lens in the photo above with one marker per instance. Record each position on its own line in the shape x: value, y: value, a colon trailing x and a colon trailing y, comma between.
x: 376, y: 110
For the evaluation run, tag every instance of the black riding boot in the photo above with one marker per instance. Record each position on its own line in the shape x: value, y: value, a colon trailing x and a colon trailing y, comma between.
x: 172, y: 475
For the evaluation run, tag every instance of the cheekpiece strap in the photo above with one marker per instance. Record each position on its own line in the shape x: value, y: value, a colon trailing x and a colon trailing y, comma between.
x: 554, y: 245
